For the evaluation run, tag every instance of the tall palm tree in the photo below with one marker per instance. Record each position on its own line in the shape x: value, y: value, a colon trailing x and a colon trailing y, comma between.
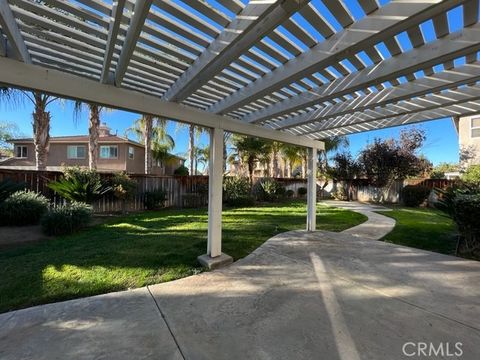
x: 152, y: 131
x: 94, y: 122
x: 251, y: 150
x: 41, y: 120
x: 275, y: 171
x: 293, y: 157
x: 202, y: 155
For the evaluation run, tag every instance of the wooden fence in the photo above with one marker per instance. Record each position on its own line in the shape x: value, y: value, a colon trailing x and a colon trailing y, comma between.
x: 362, y: 191
x: 182, y: 191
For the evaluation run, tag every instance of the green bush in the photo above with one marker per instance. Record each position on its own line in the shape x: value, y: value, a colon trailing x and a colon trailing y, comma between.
x: 471, y: 176
x: 123, y: 186
x: 241, y: 201
x: 8, y: 187
x: 235, y: 187
x: 80, y: 185
x: 181, y: 171
x: 302, y: 191
x: 66, y: 219
x: 415, y: 195
x: 289, y: 193
x: 268, y: 189
x: 155, y: 199
x: 23, y: 208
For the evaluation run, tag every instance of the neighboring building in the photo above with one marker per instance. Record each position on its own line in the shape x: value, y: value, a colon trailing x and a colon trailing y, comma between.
x: 468, y: 129
x: 116, y: 153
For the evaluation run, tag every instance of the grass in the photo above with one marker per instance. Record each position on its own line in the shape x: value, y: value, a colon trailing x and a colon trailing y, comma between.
x: 422, y: 228
x: 142, y: 249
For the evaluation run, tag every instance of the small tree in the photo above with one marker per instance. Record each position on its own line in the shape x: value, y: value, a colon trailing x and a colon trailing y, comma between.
x: 345, y: 169
x: 471, y: 177
x: 388, y: 160
x: 438, y: 171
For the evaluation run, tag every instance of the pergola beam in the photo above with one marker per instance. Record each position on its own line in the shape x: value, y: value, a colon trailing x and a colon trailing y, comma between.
x: 450, y: 47
x: 458, y: 109
x: 14, y: 36
x: 381, y: 24
x: 142, y: 7
x: 59, y: 83
x: 420, y: 104
x: 255, y: 21
x: 448, y: 79
x: 113, y: 30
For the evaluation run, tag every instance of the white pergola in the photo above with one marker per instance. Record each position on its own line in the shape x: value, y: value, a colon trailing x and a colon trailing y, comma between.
x: 294, y: 71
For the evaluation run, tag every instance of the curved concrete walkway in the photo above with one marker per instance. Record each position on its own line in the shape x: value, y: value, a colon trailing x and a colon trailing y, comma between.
x: 300, y: 295
x: 377, y: 225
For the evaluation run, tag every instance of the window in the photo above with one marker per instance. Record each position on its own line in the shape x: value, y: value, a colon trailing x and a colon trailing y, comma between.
x: 131, y: 152
x: 76, y: 152
x: 21, y: 151
x: 109, y: 152
x: 476, y: 127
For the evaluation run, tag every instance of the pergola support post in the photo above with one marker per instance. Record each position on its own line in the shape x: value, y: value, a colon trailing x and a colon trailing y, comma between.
x: 312, y: 189
x: 214, y: 257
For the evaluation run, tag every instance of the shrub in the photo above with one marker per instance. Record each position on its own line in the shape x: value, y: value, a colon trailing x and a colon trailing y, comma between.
x: 268, y: 189
x: 123, y: 186
x: 462, y: 204
x: 302, y: 191
x: 235, y: 187
x: 66, y: 219
x: 23, y: 208
x: 289, y: 193
x: 472, y: 176
x: 181, y: 171
x: 155, y: 199
x: 415, y: 195
x: 8, y: 187
x: 241, y: 201
x: 80, y: 185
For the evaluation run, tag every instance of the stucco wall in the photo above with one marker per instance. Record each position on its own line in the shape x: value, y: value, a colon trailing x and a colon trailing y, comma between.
x: 466, y: 141
x: 58, y: 158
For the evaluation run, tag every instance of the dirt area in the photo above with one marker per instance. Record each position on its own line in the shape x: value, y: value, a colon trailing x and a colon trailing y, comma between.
x: 10, y: 236
x: 14, y: 235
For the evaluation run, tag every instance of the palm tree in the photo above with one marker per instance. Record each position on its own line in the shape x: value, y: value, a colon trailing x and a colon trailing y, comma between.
x: 202, y: 156
x: 275, y: 171
x: 292, y: 155
x: 41, y: 120
x: 251, y: 150
x: 152, y: 131
x: 94, y: 122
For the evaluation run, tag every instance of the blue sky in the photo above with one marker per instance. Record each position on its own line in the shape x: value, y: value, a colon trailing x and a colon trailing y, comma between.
x: 441, y: 145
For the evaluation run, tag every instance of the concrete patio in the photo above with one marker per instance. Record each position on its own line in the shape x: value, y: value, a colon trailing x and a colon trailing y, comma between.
x: 299, y: 296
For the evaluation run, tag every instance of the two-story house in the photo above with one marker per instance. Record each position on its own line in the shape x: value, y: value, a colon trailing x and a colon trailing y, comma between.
x: 116, y: 153
x: 468, y: 129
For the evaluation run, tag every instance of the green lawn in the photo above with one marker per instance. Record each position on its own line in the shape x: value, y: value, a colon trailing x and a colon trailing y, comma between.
x: 422, y: 228
x: 142, y: 249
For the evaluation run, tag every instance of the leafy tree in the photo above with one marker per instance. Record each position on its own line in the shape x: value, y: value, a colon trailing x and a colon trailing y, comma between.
x: 388, y: 160
x: 8, y: 131
x: 345, y: 169
x: 471, y: 176
x: 438, y: 172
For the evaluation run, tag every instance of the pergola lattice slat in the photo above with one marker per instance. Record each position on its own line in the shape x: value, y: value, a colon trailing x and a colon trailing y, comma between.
x: 381, y: 24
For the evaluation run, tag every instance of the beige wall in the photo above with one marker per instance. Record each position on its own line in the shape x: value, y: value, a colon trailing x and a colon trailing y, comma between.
x: 57, y: 157
x: 465, y: 139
